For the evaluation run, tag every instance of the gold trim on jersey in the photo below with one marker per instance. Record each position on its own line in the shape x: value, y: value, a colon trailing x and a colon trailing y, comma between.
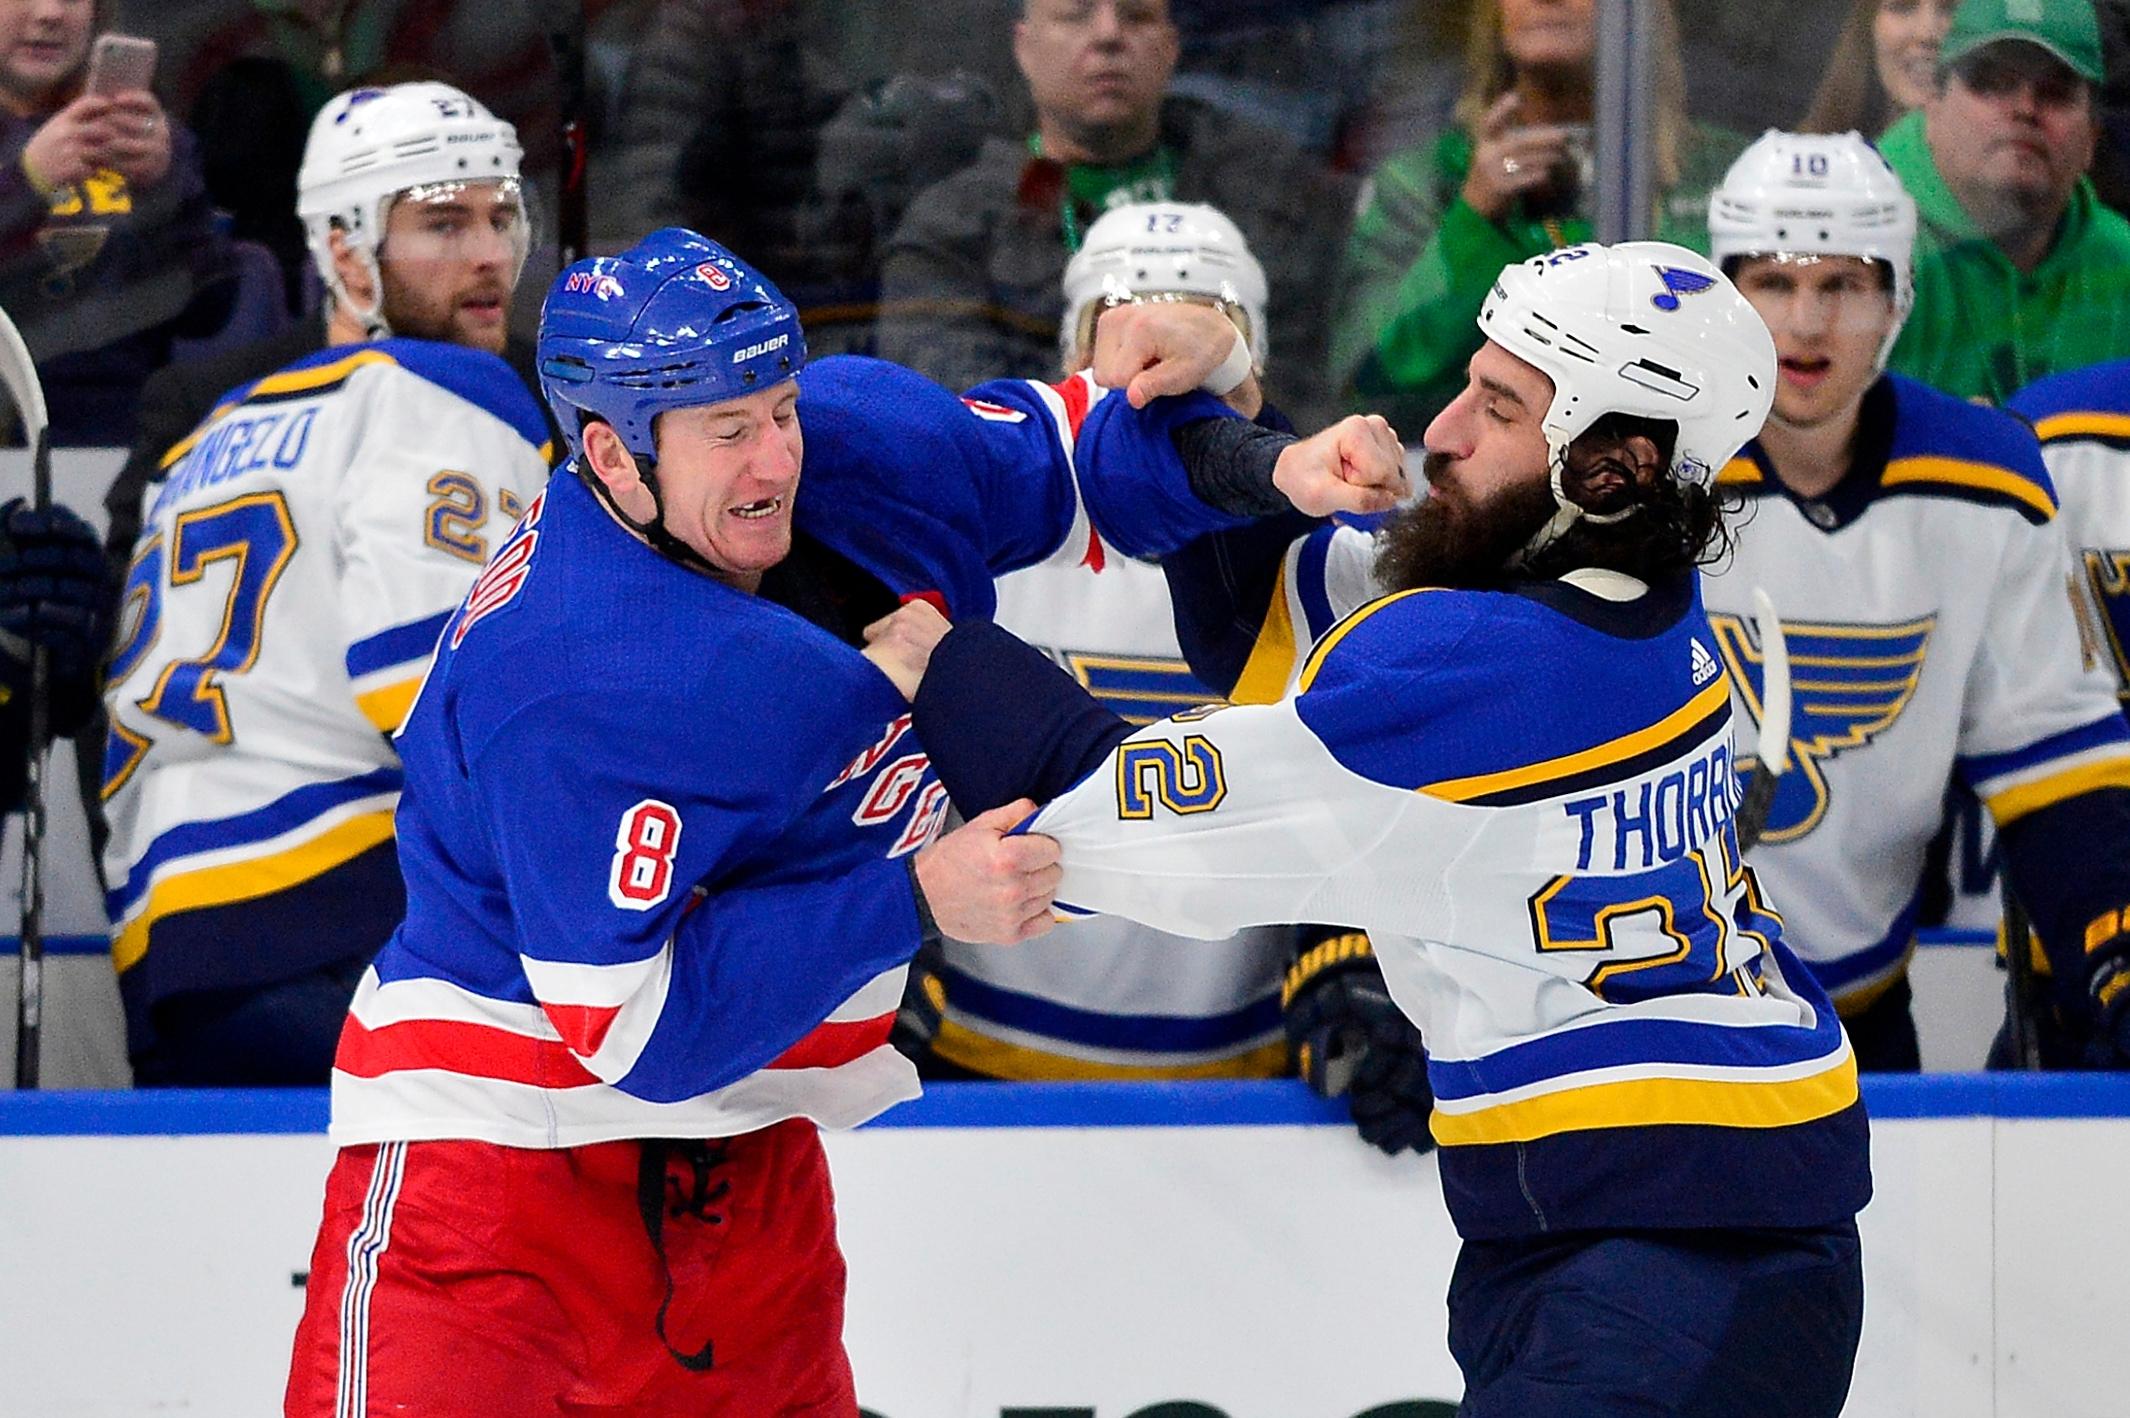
x: 1685, y: 719
x: 240, y: 881
x: 1264, y: 676
x: 138, y: 746
x: 995, y: 1058
x: 1655, y: 1102
x: 1345, y: 627
x: 1741, y: 471
x: 386, y: 707
x: 2014, y: 803
x: 317, y: 379
x: 2082, y: 425
x: 1962, y: 472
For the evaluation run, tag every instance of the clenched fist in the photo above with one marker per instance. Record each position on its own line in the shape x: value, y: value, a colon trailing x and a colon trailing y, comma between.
x: 987, y: 887
x: 1169, y: 347
x: 901, y: 644
x: 1356, y: 465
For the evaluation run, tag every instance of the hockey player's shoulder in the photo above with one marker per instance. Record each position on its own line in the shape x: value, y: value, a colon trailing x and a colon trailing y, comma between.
x: 2090, y: 405
x: 1948, y: 448
x: 1396, y: 636
x: 474, y: 376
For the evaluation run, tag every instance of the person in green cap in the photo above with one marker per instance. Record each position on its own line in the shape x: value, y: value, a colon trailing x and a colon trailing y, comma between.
x: 1509, y: 179
x: 2020, y: 271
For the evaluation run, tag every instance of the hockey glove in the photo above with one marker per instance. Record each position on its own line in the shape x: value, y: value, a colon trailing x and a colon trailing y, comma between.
x: 52, y: 593
x: 2108, y: 991
x: 1350, y: 1037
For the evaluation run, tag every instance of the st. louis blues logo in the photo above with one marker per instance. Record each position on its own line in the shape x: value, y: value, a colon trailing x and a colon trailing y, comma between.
x: 1848, y: 684
x: 1137, y: 688
x: 2108, y: 573
x: 1677, y: 282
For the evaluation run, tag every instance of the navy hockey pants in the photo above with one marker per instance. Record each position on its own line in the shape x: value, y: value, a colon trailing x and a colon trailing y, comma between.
x: 1685, y: 1324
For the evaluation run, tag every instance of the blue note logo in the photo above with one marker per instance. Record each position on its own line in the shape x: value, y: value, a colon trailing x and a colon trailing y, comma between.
x: 1679, y: 282
x: 2108, y: 573
x: 1848, y: 683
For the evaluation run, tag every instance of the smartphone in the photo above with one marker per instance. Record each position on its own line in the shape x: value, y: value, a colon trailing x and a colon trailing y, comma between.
x: 120, y: 63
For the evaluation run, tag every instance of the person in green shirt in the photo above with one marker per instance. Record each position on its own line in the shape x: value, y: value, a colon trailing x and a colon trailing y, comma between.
x: 2020, y: 271
x: 1508, y: 181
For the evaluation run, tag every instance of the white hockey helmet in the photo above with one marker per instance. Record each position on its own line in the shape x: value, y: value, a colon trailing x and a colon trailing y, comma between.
x: 1151, y: 250
x: 369, y: 145
x: 1818, y: 194
x: 1643, y: 328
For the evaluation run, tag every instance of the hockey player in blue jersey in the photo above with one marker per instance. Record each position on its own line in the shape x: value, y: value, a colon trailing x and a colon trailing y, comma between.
x: 668, y: 845
x: 1515, y: 772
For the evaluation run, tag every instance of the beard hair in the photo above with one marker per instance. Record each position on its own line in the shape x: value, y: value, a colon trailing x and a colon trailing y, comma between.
x: 1450, y: 542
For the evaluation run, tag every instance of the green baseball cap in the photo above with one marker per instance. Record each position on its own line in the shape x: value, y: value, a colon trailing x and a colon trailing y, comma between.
x: 2067, y: 29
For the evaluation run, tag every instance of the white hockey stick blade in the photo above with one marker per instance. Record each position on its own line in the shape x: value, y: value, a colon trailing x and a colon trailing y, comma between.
x: 19, y: 374
x: 1774, y: 750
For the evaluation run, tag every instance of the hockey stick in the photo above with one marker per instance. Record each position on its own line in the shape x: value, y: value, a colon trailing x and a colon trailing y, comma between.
x: 19, y: 374
x: 1774, y: 748
x: 2019, y: 982
x: 564, y: 23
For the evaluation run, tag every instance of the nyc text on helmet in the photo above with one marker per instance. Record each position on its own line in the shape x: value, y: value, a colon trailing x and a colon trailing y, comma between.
x: 673, y: 322
x: 1149, y: 250
x: 367, y: 146
x: 1812, y: 194
x: 1642, y: 328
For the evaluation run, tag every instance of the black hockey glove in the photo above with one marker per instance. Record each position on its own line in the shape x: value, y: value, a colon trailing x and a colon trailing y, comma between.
x: 52, y: 593
x: 1350, y: 1037
x: 2108, y: 992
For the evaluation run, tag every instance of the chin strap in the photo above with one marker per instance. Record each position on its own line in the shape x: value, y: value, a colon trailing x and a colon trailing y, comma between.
x: 1568, y: 512
x: 654, y: 531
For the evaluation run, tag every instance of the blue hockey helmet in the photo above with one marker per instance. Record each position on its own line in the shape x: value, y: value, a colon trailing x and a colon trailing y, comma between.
x: 673, y: 322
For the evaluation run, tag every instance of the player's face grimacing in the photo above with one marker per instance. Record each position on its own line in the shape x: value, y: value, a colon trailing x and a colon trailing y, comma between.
x: 727, y: 473
x: 1829, y: 316
x: 450, y: 259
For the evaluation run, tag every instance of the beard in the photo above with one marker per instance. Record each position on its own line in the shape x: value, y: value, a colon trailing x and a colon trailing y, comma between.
x: 1452, y: 542
x: 423, y: 314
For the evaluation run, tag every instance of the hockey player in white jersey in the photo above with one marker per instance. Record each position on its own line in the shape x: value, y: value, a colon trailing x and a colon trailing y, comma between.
x: 298, y: 554
x: 1515, y: 773
x: 1109, y: 998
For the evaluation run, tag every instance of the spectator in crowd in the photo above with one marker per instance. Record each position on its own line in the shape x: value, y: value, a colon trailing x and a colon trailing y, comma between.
x: 970, y: 286
x: 250, y: 778
x: 2020, y: 271
x: 108, y: 243
x: 1509, y: 179
x: 1885, y: 66
x: 52, y: 597
x: 369, y: 295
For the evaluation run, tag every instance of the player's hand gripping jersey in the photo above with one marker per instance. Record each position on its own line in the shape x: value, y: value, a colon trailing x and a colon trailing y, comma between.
x: 297, y: 559
x: 655, y: 829
x: 1541, y: 851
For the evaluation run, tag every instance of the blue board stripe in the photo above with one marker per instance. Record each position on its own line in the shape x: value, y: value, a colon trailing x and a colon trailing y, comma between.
x: 1251, y: 1103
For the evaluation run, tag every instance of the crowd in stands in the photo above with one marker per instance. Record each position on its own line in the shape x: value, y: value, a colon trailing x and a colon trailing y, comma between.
x: 926, y: 193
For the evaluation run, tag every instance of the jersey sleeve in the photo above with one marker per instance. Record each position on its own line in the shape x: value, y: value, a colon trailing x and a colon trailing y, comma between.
x: 434, y: 486
x: 2040, y: 722
x: 1249, y: 602
x: 672, y: 946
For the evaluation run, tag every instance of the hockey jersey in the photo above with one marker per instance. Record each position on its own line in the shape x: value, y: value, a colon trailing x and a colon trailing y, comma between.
x: 1930, y: 642
x: 1525, y: 798
x: 655, y: 830
x: 298, y: 555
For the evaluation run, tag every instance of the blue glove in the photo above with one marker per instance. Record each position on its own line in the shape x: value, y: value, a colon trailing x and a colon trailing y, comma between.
x: 1351, y: 1038
x: 53, y: 593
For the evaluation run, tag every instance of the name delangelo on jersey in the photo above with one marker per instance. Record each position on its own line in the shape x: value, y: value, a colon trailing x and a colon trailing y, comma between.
x: 299, y: 555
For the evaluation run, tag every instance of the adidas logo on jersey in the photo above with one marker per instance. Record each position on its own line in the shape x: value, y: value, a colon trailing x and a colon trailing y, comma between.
x: 1704, y: 664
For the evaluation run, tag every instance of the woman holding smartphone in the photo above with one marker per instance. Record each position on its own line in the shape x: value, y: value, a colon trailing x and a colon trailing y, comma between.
x: 108, y: 248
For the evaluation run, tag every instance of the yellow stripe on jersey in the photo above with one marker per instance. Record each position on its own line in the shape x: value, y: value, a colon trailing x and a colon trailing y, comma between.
x: 2014, y: 803
x: 240, y: 881
x: 1963, y: 473
x: 1681, y: 720
x: 1264, y: 678
x: 295, y: 381
x: 995, y: 1058
x: 386, y: 707
x: 1651, y: 1102
x: 2082, y: 425
x: 1741, y: 471
x: 1340, y: 631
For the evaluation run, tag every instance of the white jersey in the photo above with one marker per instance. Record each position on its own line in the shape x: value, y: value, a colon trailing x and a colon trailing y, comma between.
x: 1931, y: 642
x: 1108, y: 998
x: 1525, y: 798
x: 297, y: 559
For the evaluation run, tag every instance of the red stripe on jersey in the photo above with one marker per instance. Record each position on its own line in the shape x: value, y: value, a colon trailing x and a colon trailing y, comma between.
x: 583, y: 1026
x: 834, y: 1044
x: 458, y: 1046
x: 1096, y: 558
x: 935, y: 599
x: 1074, y: 392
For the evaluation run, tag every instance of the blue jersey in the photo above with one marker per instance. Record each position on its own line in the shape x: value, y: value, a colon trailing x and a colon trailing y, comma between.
x: 653, y: 828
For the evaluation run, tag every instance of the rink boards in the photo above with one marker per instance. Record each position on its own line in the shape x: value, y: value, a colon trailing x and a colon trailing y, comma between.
x: 1080, y: 1251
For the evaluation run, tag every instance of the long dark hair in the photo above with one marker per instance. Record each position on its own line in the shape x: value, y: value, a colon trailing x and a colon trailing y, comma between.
x: 1675, y: 525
